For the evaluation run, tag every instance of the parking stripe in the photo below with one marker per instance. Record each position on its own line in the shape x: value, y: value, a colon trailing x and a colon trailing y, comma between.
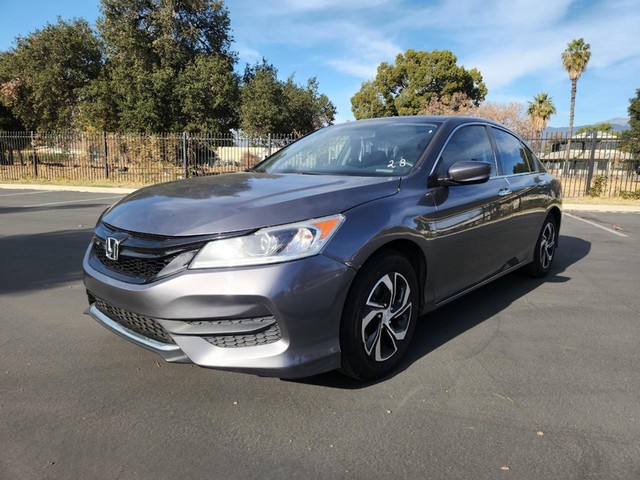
x: 71, y: 201
x: 25, y: 193
x: 606, y: 229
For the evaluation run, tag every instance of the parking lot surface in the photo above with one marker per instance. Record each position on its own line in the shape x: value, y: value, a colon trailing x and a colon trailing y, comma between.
x: 520, y: 379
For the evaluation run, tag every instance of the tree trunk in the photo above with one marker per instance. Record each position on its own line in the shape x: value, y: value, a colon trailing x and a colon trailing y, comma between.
x: 574, y: 85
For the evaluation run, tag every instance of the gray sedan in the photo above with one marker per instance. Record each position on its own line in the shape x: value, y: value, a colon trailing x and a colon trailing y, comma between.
x: 324, y: 255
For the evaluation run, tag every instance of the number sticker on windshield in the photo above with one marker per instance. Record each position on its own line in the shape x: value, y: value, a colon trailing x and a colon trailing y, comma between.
x: 402, y: 163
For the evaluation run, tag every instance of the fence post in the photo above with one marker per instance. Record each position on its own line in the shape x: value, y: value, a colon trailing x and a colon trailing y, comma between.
x: 184, y: 155
x: 104, y: 154
x: 269, y: 145
x: 592, y: 157
x: 35, y: 156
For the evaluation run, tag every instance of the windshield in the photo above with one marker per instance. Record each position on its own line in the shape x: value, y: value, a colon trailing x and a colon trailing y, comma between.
x: 370, y: 149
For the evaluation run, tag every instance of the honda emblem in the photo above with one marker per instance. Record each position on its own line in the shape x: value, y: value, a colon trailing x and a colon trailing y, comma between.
x: 112, y: 248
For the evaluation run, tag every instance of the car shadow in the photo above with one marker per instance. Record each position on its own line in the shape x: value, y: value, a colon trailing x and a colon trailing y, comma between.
x: 439, y: 327
x: 42, y: 260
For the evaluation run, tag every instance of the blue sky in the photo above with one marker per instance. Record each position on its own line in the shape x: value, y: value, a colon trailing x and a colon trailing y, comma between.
x: 516, y: 44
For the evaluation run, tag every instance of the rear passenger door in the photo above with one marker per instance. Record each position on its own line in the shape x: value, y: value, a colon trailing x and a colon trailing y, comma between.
x: 471, y: 219
x: 517, y: 165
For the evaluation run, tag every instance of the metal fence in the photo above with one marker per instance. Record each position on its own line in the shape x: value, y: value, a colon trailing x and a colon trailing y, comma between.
x: 591, y: 163
x: 128, y: 158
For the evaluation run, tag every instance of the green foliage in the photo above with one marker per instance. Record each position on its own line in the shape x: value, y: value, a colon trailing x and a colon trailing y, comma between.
x: 631, y: 138
x: 600, y: 127
x: 269, y: 105
x: 598, y: 186
x: 629, y: 194
x: 156, y: 66
x: 169, y: 67
x: 262, y: 102
x: 540, y: 110
x: 8, y: 122
x: 416, y: 78
x: 203, y: 110
x: 306, y: 109
x: 576, y: 57
x: 42, y: 78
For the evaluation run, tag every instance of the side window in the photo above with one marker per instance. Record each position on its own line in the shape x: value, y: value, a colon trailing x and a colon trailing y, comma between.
x: 534, y: 163
x: 467, y: 144
x: 513, y: 155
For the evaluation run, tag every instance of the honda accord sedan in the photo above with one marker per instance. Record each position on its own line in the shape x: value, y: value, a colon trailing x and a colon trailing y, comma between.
x: 325, y: 254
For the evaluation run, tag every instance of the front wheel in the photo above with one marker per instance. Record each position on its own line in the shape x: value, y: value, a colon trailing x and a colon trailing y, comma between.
x: 379, y: 316
x: 545, y: 248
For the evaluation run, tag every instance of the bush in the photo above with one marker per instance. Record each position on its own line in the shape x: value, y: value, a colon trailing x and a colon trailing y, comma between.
x: 629, y: 195
x: 598, y: 186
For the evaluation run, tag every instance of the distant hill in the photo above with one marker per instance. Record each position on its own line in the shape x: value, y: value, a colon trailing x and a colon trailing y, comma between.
x: 619, y: 125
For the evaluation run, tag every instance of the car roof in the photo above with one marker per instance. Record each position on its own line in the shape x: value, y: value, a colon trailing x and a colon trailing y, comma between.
x: 450, y: 120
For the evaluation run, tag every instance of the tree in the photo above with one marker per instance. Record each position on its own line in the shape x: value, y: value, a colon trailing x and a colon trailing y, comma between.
x: 540, y: 110
x: 631, y: 137
x: 306, y: 109
x: 416, y: 78
x: 575, y: 59
x: 269, y: 105
x: 262, y: 102
x: 157, y: 51
x: 599, y: 127
x: 209, y: 95
x: 42, y: 78
x: 8, y: 122
x: 511, y: 115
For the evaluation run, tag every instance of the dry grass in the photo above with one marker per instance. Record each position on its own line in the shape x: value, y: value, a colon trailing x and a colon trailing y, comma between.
x: 601, y: 201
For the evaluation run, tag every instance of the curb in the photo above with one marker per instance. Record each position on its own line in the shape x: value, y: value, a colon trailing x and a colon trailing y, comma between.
x: 579, y: 207
x: 65, y: 188
x: 575, y: 207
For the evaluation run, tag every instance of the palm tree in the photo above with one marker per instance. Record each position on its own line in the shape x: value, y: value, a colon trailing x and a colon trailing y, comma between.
x: 540, y: 111
x: 574, y: 60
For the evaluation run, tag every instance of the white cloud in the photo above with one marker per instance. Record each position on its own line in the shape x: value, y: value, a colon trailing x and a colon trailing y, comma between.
x: 353, y: 67
x: 509, y: 39
x: 297, y: 7
x: 516, y: 44
x: 363, y: 50
x: 247, y: 54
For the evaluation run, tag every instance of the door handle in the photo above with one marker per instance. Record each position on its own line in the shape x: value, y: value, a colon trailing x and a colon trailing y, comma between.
x: 504, y: 191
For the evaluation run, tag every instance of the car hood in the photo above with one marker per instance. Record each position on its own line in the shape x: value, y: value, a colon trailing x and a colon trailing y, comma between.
x: 242, y: 201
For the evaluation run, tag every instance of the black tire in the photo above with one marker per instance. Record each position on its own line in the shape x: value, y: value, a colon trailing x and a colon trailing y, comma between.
x: 545, y: 249
x: 374, y: 351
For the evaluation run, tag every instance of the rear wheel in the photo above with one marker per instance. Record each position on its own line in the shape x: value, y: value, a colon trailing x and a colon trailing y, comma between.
x: 545, y: 248
x: 379, y: 316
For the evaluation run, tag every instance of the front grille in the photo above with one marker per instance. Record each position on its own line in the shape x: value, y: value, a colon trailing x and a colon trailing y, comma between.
x: 145, y: 268
x: 140, y: 324
x: 269, y: 335
x: 142, y: 257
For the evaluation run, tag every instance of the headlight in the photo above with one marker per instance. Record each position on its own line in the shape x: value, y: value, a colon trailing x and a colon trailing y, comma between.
x: 269, y: 245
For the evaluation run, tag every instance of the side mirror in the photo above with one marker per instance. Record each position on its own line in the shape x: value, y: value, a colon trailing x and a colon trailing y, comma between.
x: 466, y: 173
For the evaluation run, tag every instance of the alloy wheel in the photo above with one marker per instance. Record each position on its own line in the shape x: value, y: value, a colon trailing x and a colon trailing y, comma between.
x: 386, y: 316
x: 547, y: 245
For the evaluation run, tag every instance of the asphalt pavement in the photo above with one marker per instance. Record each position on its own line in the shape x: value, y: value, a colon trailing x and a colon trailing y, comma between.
x: 521, y: 379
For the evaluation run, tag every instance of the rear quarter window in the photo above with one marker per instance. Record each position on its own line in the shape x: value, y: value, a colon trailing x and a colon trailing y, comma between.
x: 513, y: 155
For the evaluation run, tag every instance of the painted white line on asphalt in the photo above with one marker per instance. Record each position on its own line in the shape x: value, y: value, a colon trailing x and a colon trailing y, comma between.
x: 71, y: 201
x: 606, y: 229
x: 25, y: 193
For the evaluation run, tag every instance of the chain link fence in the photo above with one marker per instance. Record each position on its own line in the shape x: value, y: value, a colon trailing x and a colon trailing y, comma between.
x: 592, y: 163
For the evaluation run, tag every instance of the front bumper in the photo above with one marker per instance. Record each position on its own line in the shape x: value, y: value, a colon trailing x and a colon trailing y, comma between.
x: 199, y: 310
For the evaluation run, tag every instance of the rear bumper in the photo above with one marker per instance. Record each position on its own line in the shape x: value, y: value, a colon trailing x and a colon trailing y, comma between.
x: 217, y: 318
